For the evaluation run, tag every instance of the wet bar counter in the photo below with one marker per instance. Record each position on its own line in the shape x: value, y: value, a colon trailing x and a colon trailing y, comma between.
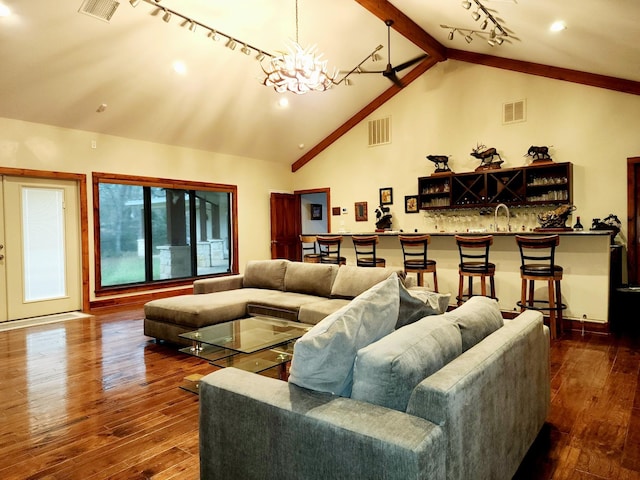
x: 585, y: 257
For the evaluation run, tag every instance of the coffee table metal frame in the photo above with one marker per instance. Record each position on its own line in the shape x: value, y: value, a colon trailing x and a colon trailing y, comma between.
x: 254, y: 344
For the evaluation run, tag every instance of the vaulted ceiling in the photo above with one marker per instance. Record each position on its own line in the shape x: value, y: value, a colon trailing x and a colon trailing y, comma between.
x: 60, y: 65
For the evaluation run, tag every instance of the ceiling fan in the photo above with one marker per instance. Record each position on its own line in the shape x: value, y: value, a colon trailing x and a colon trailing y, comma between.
x: 391, y: 72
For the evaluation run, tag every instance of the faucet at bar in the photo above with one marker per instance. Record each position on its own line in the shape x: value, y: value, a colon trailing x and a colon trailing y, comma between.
x: 495, y: 218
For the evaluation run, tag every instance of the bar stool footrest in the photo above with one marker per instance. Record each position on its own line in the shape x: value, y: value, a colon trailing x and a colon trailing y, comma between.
x: 557, y: 308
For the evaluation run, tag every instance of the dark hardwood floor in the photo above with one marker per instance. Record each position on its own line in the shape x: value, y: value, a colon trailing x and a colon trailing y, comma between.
x: 96, y: 399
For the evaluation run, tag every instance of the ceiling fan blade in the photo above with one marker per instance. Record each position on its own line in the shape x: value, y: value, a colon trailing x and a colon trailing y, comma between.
x: 391, y: 75
x: 404, y: 65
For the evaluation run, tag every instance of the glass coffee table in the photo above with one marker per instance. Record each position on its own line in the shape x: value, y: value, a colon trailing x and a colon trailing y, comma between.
x: 255, y: 344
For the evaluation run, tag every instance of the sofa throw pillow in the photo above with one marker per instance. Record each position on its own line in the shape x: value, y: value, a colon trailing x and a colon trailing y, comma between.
x: 477, y: 318
x: 414, y: 306
x: 387, y: 371
x: 265, y: 274
x: 323, y: 357
x: 351, y: 281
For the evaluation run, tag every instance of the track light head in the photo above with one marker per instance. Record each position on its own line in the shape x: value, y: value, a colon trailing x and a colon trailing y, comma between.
x: 468, y: 38
x: 491, y: 42
x: 245, y: 49
x: 167, y: 16
x: 192, y: 26
x: 475, y: 15
x: 466, y: 5
x: 484, y: 24
x: 231, y: 44
x: 499, y: 40
x: 134, y: 3
x: 451, y: 33
x: 213, y: 35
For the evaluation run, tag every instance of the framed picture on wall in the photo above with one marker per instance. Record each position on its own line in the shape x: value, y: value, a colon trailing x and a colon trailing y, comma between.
x: 335, y: 211
x: 361, y: 212
x: 316, y: 211
x: 386, y: 196
x: 411, y: 204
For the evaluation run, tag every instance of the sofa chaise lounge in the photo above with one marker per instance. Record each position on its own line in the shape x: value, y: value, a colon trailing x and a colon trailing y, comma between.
x: 295, y: 291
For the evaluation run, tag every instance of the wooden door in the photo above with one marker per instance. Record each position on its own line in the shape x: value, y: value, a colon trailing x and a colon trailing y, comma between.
x: 633, y: 218
x: 285, y: 226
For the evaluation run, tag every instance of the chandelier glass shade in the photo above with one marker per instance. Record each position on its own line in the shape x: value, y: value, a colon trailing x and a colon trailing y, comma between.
x: 298, y: 70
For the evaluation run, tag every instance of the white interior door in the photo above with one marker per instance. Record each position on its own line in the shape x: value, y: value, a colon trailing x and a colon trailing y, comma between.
x: 41, y: 254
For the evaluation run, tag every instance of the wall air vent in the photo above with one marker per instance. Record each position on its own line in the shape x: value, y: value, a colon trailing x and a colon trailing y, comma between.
x: 379, y: 131
x: 100, y: 9
x: 514, y: 112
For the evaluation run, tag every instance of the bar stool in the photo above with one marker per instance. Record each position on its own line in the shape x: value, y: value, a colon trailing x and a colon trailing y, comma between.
x: 330, y: 250
x: 474, y: 262
x: 414, y: 251
x: 309, y: 245
x: 365, y: 247
x: 537, y: 255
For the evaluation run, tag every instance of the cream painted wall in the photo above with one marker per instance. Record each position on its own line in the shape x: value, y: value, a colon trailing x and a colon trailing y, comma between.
x: 454, y: 106
x: 42, y: 147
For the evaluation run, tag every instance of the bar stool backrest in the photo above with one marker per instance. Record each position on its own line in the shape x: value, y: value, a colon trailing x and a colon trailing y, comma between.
x: 365, y: 247
x: 414, y: 250
x: 538, y: 251
x: 308, y: 244
x: 330, y: 249
x: 474, y: 249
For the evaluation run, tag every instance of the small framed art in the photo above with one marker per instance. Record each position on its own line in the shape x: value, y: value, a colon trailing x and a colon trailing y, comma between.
x: 386, y: 196
x: 411, y: 204
x: 361, y: 212
x: 316, y: 211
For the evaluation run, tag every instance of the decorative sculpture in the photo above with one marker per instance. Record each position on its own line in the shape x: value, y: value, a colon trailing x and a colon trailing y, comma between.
x: 556, y: 218
x: 485, y: 155
x: 442, y: 163
x: 539, y: 154
x: 383, y: 218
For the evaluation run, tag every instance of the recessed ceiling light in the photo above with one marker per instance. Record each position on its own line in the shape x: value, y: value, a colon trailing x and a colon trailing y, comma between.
x: 558, y: 26
x: 180, y: 68
x: 283, y: 102
x: 4, y: 11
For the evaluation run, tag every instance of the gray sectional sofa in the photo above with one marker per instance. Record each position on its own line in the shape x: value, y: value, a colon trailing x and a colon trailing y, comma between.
x: 460, y: 395
x: 296, y: 291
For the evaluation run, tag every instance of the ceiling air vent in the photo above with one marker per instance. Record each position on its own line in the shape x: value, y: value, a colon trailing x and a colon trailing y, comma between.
x: 379, y: 131
x: 514, y: 112
x: 100, y: 9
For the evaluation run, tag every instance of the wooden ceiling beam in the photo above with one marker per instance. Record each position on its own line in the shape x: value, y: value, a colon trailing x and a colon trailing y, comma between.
x: 406, y: 27
x: 415, y: 73
x: 557, y: 73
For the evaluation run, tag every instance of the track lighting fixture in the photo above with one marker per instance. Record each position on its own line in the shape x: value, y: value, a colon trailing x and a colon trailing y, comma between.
x: 495, y: 36
x: 306, y: 65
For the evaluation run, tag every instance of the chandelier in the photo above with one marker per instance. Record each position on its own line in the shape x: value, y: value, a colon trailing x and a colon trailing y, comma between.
x: 298, y: 70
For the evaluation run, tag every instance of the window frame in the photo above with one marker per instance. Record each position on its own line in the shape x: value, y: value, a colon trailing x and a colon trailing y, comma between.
x: 140, y: 181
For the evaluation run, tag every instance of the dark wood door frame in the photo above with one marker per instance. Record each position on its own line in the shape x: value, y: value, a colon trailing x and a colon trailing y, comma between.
x: 633, y: 218
x: 327, y: 192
